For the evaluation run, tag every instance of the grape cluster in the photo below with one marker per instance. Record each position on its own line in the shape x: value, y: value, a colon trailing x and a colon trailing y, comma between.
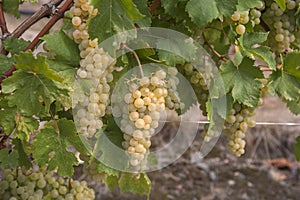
x: 96, y: 66
x: 250, y: 16
x: 41, y: 184
x: 236, y: 125
x: 199, y: 85
x: 282, y: 24
x: 140, y: 110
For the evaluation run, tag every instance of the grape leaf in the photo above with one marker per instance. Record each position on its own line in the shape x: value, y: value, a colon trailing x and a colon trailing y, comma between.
x: 144, y: 9
x: 102, y: 168
x: 111, y: 181
x: 112, y: 19
x: 54, y: 139
x: 67, y: 52
x: 38, y: 65
x: 297, y: 148
x: 130, y: 183
x: 12, y: 6
x: 25, y: 127
x: 5, y: 63
x: 7, y: 119
x: 281, y: 3
x: 291, y: 64
x: 63, y: 70
x: 202, y: 11
x: 241, y: 81
x: 294, y: 106
x: 8, y: 159
x: 226, y: 7
x: 37, y: 91
x: 14, y: 45
x: 175, y: 8
x: 68, y: 72
x: 246, y: 5
x: 24, y: 160
x: 285, y: 85
x: 131, y: 10
x: 174, y: 51
x: 248, y: 40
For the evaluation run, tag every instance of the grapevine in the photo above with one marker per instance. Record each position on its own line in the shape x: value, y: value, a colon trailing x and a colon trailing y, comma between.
x: 69, y: 88
x: 41, y: 184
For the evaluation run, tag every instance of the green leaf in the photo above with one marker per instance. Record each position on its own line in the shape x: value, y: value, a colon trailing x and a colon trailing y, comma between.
x: 136, y: 185
x: 226, y: 7
x: 265, y: 55
x: 131, y: 10
x: 175, y: 8
x: 7, y: 119
x: 102, y: 168
x: 291, y: 64
x: 12, y: 6
x: 32, y: 93
x: 248, y: 40
x: 112, y: 18
x: 63, y: 70
x: 281, y: 4
x: 202, y: 11
x: 297, y: 148
x: 5, y: 63
x: 111, y: 181
x: 25, y: 127
x: 237, y: 58
x: 14, y: 45
x: 24, y: 160
x: 63, y: 47
x: 38, y: 65
x: 54, y: 139
x: 144, y: 9
x: 294, y: 106
x: 175, y: 51
x: 241, y: 81
x: 8, y: 159
x: 285, y: 85
x: 246, y: 5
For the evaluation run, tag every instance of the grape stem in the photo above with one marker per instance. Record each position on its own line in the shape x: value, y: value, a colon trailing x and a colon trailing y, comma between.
x: 212, y: 49
x: 136, y: 57
x: 59, y: 13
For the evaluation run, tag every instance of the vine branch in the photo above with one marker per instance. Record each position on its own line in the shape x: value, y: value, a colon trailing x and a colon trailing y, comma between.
x: 154, y: 6
x: 212, y: 49
x: 3, y: 26
x: 58, y: 15
x: 45, y: 11
x: 264, y: 25
x: 2, y: 21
